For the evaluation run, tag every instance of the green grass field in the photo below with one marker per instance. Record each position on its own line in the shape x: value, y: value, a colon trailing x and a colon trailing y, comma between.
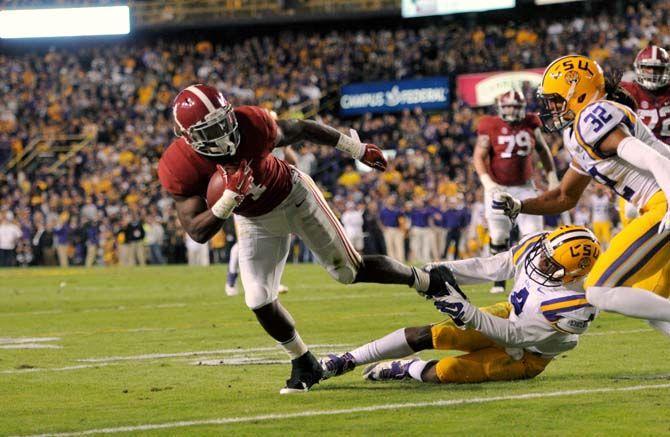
x: 117, y: 349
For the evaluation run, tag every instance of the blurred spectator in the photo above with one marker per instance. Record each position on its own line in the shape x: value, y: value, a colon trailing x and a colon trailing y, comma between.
x: 454, y: 220
x: 10, y: 235
x: 420, y: 234
x: 394, y: 236
x: 154, y: 236
x: 92, y: 232
x: 372, y: 227
x: 133, y: 239
x: 352, y: 220
x: 62, y: 233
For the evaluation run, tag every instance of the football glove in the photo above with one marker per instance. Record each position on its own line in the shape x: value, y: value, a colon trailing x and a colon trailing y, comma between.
x: 488, y: 183
x: 454, y: 302
x: 506, y: 204
x: 369, y: 154
x: 237, y: 185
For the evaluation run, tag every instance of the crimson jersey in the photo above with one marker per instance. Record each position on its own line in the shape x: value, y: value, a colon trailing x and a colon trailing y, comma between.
x: 510, y: 148
x: 653, y: 107
x: 184, y: 172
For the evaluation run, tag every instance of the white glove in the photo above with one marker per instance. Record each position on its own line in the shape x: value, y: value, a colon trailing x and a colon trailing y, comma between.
x: 664, y: 226
x: 506, y: 204
x: 552, y: 179
x: 488, y: 183
x: 455, y: 306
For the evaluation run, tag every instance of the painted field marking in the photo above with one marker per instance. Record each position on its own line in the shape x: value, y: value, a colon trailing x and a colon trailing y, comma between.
x: 56, y: 369
x: 28, y: 343
x: 371, y: 408
x: 236, y: 351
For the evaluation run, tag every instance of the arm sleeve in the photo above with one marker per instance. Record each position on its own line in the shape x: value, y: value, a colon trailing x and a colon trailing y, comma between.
x: 646, y: 158
x: 478, y: 270
x: 520, y: 333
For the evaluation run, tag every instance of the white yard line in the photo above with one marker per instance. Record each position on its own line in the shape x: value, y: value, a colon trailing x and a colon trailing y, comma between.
x: 622, y: 332
x: 19, y: 340
x: 236, y: 351
x: 371, y: 408
x: 56, y: 369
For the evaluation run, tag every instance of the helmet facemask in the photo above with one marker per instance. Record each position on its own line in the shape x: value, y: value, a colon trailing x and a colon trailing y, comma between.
x: 541, y: 267
x: 652, y: 75
x: 512, y: 113
x: 556, y: 115
x: 216, y: 135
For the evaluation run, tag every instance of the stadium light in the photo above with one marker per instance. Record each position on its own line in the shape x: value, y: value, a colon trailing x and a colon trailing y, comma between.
x: 422, y: 8
x: 39, y: 23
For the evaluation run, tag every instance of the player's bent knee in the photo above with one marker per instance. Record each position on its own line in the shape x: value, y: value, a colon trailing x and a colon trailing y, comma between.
x: 344, y: 274
x: 256, y: 298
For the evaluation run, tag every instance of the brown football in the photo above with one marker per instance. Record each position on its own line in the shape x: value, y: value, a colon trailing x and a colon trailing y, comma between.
x: 215, y: 188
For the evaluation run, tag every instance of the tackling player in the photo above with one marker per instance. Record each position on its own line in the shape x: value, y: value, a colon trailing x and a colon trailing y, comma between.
x: 543, y: 317
x: 650, y: 91
x: 610, y: 144
x: 504, y: 162
x: 270, y: 200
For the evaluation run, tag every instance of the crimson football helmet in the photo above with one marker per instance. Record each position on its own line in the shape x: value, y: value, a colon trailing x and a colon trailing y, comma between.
x: 206, y: 121
x: 652, y: 67
x: 511, y: 106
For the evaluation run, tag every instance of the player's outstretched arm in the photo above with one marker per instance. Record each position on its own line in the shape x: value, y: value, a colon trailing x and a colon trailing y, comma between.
x: 560, y: 199
x: 292, y: 131
x: 196, y: 219
x: 644, y: 157
x: 498, y: 267
x: 480, y: 160
x: 503, y: 331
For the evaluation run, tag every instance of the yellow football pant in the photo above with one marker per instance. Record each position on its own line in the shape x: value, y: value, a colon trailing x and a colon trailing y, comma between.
x: 485, y: 360
x: 603, y: 231
x: 637, y: 256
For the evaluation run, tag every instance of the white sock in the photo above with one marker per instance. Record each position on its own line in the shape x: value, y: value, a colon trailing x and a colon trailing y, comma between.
x: 416, y: 369
x: 295, y: 347
x: 393, y: 345
x: 631, y: 302
x: 421, y: 280
x: 233, y: 261
x: 662, y: 327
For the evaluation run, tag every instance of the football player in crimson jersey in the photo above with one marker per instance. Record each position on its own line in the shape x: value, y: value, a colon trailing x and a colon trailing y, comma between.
x: 270, y: 200
x: 650, y: 91
x: 503, y: 160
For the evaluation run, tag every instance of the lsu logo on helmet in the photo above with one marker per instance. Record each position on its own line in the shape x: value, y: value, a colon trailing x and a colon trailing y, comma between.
x: 568, y: 85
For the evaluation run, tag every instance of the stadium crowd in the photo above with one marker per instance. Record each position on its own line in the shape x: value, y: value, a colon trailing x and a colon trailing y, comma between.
x: 104, y: 205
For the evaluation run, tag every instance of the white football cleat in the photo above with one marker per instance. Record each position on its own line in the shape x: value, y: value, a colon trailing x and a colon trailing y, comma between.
x: 497, y: 289
x: 232, y: 290
x: 282, y: 289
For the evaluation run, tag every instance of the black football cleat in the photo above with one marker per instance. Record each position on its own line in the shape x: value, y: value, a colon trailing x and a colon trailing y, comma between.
x: 440, y: 276
x: 306, y: 372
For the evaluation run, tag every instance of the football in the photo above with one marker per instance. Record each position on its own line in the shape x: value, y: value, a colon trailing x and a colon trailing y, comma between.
x: 216, y: 187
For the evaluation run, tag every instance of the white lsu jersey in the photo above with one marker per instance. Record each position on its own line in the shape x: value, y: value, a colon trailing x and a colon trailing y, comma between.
x: 544, y: 320
x: 584, y: 138
x: 600, y: 208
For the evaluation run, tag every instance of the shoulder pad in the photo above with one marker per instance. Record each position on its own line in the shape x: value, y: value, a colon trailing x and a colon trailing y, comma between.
x: 576, y: 321
x: 596, y: 121
x: 572, y: 305
x: 485, y: 123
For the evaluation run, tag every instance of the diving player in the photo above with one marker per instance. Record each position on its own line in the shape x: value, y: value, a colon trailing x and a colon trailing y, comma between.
x: 544, y: 316
x: 610, y: 144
